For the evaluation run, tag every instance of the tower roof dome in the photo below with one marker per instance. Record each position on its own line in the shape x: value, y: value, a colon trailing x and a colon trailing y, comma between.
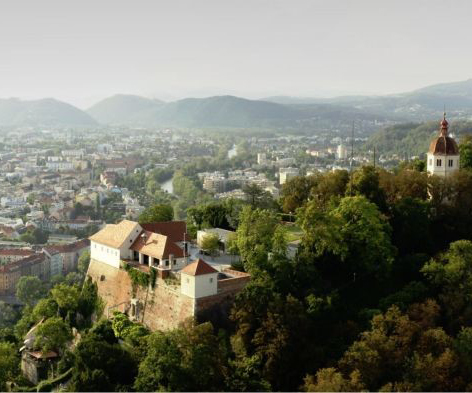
x: 444, y: 144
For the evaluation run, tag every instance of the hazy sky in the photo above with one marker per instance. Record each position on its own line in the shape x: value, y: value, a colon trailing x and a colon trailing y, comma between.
x: 84, y: 50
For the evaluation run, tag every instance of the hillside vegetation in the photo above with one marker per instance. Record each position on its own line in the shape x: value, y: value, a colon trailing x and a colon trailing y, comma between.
x: 412, y: 138
x: 44, y: 112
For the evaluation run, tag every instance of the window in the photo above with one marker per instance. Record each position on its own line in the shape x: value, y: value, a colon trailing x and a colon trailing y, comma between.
x: 211, y: 279
x: 438, y: 162
x: 430, y: 161
x: 167, y: 263
x: 131, y: 240
x: 174, y: 261
x: 188, y: 280
x: 450, y: 163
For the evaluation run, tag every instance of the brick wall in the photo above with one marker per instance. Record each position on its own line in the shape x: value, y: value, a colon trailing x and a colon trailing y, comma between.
x: 161, y: 308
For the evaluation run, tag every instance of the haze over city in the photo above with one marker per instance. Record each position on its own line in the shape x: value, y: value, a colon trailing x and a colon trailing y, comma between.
x: 83, y: 51
x: 235, y: 195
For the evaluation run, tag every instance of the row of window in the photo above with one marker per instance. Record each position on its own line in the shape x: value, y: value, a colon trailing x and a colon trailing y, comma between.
x: 113, y: 252
x: 450, y: 163
x: 188, y: 280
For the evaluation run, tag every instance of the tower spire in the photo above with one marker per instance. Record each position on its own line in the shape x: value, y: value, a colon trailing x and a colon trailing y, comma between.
x: 444, y: 124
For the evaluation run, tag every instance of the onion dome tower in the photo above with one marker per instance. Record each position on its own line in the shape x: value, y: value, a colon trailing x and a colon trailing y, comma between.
x: 443, y: 155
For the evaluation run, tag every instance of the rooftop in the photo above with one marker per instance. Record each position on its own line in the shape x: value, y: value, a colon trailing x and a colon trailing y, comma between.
x: 198, y: 268
x: 114, y: 235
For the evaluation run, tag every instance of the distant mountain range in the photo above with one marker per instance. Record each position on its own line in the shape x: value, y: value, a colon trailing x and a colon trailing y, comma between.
x: 419, y: 105
x: 229, y: 111
x: 125, y: 109
x: 45, y: 112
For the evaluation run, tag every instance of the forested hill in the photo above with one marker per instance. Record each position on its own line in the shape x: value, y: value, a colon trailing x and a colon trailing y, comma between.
x: 44, y: 112
x: 125, y: 109
x: 224, y: 111
x: 412, y: 138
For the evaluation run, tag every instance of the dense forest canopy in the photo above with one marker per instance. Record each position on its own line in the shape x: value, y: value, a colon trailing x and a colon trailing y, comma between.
x: 377, y: 297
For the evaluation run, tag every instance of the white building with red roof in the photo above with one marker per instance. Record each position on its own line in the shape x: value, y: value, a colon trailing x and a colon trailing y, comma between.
x: 155, y: 246
x: 173, y: 290
x: 199, y: 279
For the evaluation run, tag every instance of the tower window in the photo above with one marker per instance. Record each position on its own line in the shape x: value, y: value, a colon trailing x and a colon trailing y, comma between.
x: 450, y: 163
x: 438, y: 162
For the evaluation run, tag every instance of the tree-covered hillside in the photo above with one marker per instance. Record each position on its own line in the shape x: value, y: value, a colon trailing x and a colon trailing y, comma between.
x: 412, y: 138
x: 45, y: 112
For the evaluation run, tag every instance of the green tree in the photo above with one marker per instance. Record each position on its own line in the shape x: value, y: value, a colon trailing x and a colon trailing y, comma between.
x: 271, y: 333
x: 255, y: 233
x: 331, y: 380
x: 399, y: 352
x: 257, y: 197
x: 9, y: 364
x: 411, y: 225
x: 101, y: 366
x: 83, y: 263
x: 465, y: 150
x: 451, y: 274
x: 365, y: 181
x: 185, y: 359
x: 31, y: 198
x: 331, y: 185
x: 354, y: 230
x: 8, y: 315
x: 66, y: 297
x: 156, y: 213
x: 29, y: 289
x: 296, y: 191
x: 73, y: 278
x: 52, y: 334
x: 45, y: 308
x: 210, y: 243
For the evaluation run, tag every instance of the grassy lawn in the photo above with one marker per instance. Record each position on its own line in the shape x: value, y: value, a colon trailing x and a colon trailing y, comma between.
x: 293, y: 232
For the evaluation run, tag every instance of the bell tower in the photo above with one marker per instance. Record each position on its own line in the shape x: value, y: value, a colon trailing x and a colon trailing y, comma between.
x: 443, y: 155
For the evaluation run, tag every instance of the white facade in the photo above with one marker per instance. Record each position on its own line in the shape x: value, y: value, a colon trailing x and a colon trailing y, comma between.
x: 60, y: 165
x: 199, y: 286
x: 442, y: 165
x: 102, y: 253
x: 261, y: 158
x: 286, y: 174
x: 341, y: 152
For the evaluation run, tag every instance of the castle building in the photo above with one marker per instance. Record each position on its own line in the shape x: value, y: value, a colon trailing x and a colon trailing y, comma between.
x: 443, y: 155
x: 176, y: 289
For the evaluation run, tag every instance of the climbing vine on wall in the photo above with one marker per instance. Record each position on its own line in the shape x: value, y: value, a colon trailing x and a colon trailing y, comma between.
x: 138, y: 277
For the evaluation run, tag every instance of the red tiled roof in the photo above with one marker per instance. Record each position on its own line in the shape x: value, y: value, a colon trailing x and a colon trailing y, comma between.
x: 17, y: 251
x: 198, y: 268
x: 156, y: 245
x: 174, y: 230
x: 28, y: 261
x: 71, y: 247
x: 444, y: 145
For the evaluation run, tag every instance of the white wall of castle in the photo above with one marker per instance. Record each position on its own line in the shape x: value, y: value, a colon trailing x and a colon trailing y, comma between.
x: 199, y: 286
x: 105, y: 254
